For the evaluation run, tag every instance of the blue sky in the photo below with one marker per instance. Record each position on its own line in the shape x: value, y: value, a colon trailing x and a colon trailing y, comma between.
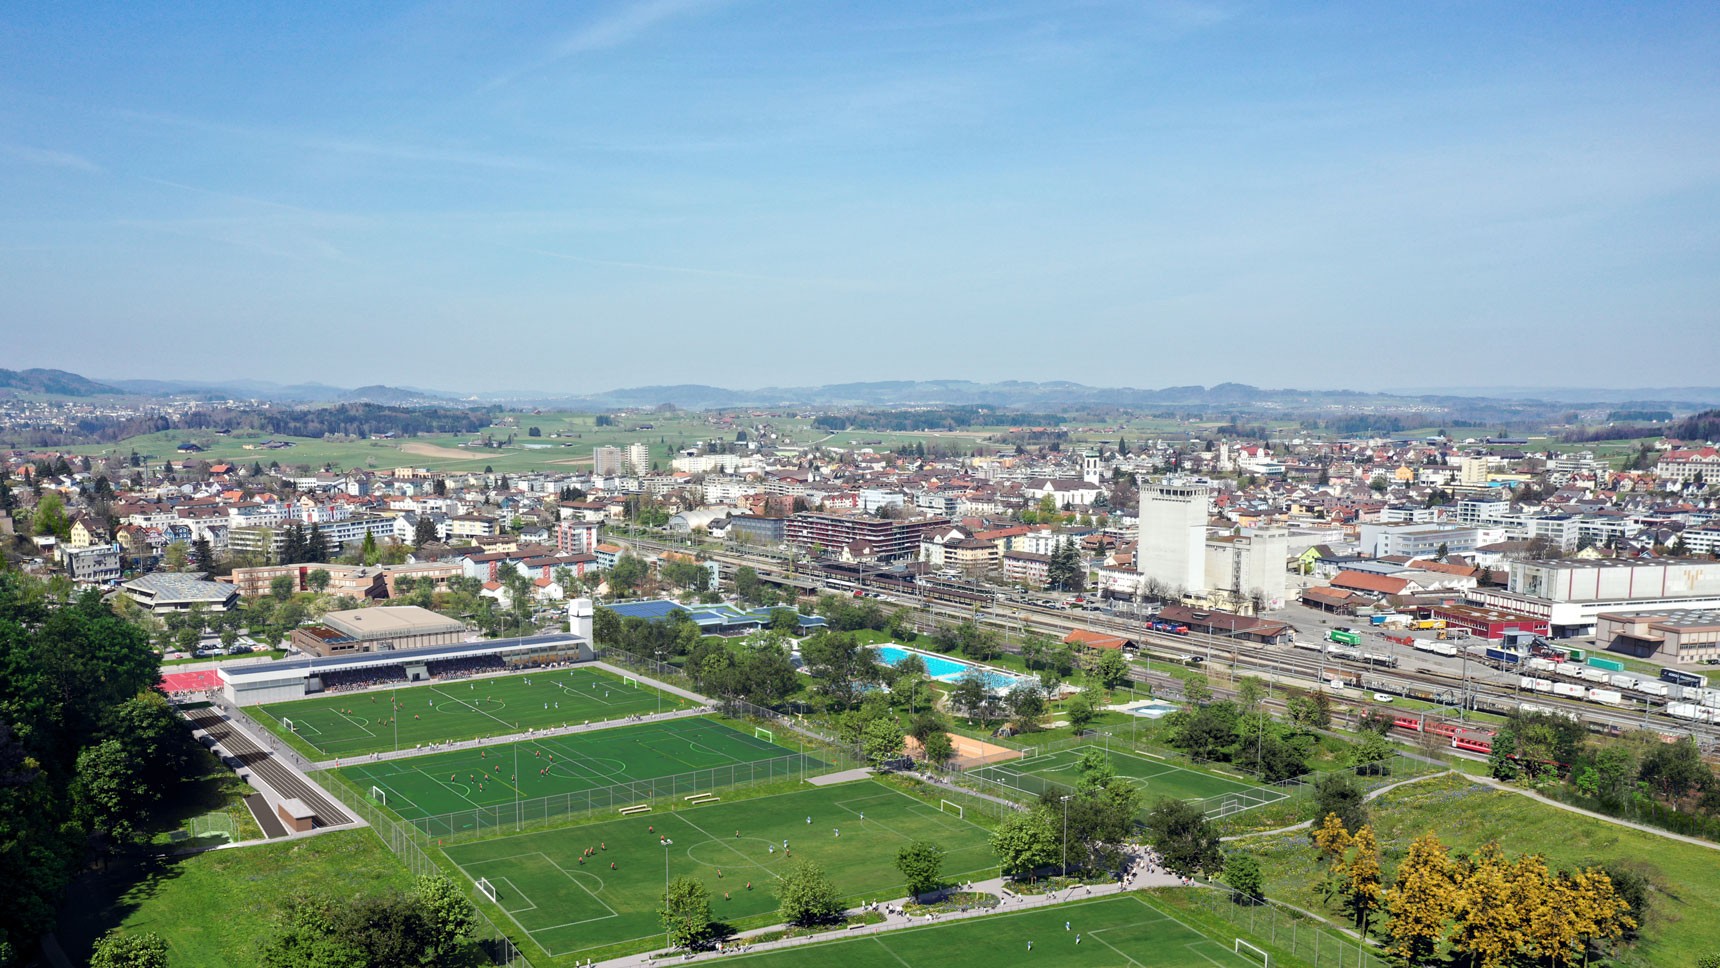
x: 572, y: 197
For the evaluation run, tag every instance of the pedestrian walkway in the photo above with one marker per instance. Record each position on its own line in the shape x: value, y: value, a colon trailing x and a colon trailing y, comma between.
x: 1143, y: 872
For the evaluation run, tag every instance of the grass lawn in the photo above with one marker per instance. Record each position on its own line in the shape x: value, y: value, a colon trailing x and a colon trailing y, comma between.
x: 472, y: 783
x: 572, y: 909
x: 354, y: 723
x: 1684, y: 916
x: 215, y: 908
x: 1060, y: 770
x: 1117, y: 930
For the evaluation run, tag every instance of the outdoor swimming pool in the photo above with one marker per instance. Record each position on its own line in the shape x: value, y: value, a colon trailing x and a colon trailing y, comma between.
x: 942, y: 668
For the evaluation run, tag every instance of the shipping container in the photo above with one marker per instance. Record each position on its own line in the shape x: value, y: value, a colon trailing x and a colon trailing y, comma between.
x: 1653, y: 688
x: 1570, y: 690
x: 1611, y: 665
x: 1611, y: 697
x: 1621, y: 681
x: 1542, y: 665
x: 1504, y: 657
x: 1592, y: 674
x: 1573, y: 655
x: 1344, y: 637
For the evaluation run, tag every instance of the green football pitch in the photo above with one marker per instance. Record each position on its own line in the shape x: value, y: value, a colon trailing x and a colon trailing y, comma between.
x: 354, y: 723
x: 1060, y: 770
x: 569, y: 907
x: 1120, y: 931
x: 472, y: 783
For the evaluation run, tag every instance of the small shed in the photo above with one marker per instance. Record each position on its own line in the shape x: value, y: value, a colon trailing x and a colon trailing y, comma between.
x: 297, y: 815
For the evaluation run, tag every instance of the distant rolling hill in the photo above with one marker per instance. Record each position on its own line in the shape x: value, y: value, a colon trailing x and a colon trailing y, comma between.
x: 54, y: 383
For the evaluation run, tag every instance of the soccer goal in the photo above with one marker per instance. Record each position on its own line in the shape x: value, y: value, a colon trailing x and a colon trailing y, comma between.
x: 379, y: 795
x: 759, y: 732
x: 289, y: 725
x: 944, y: 806
x: 629, y: 680
x: 487, y: 889
x: 1265, y: 959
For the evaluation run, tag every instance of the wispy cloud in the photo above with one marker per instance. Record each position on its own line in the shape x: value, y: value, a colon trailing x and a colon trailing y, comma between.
x: 682, y: 270
x: 615, y: 30
x: 333, y: 145
x: 49, y: 158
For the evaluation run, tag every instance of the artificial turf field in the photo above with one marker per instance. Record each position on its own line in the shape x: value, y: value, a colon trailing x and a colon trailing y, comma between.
x: 354, y: 723
x: 1120, y: 931
x: 458, y: 781
x: 1035, y: 774
x: 568, y: 907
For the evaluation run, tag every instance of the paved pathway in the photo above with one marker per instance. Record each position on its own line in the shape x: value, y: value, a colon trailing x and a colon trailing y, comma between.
x: 1371, y: 794
x: 1143, y: 875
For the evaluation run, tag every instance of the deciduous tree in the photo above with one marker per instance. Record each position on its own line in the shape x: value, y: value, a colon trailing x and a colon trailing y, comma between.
x: 686, y: 913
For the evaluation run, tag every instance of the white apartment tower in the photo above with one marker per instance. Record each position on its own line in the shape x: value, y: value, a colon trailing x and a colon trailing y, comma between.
x: 639, y: 458
x: 1172, y: 548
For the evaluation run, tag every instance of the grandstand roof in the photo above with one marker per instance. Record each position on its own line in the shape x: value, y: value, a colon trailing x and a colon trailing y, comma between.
x: 290, y: 669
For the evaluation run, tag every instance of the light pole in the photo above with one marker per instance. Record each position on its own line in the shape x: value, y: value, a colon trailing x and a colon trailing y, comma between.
x: 1065, y: 836
x: 666, y: 942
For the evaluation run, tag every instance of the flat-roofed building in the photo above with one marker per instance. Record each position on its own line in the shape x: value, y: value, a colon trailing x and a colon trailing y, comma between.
x: 1678, y: 636
x: 166, y: 592
x: 379, y: 629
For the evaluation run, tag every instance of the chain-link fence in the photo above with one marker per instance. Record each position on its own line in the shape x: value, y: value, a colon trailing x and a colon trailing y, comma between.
x: 584, y: 803
x: 406, y: 843
x: 1288, y: 931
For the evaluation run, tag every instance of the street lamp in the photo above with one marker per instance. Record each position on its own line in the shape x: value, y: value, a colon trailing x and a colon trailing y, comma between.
x: 1065, y: 835
x: 666, y: 843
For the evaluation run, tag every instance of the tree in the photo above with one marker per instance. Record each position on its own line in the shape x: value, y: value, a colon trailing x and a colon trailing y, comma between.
x: 806, y: 897
x: 1338, y: 795
x: 1111, y: 670
x: 1487, y: 919
x: 939, y: 748
x: 1081, y: 710
x: 1250, y: 693
x: 882, y: 740
x: 747, y: 583
x: 448, y: 915
x: 922, y: 865
x: 1502, y: 760
x: 423, y: 533
x: 1370, y: 751
x: 1066, y: 572
x: 628, y: 573
x: 318, y: 580
x: 1363, y: 875
x: 176, y: 556
x: 281, y: 587
x: 1026, y: 842
x: 120, y: 950
x: 50, y: 517
x: 202, y: 557
x: 686, y: 912
x: 1675, y: 769
x: 1242, y: 873
x: 1183, y: 837
x: 109, y: 792
x: 368, y: 552
x: 1196, y: 690
x: 841, y: 665
x: 1422, y: 901
x: 1026, y: 703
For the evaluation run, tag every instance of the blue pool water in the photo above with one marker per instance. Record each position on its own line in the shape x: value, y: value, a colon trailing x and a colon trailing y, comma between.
x: 943, y: 669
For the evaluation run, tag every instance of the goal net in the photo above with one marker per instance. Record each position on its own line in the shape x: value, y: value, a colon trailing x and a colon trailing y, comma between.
x: 947, y: 807
x: 487, y: 889
x: 1253, y: 952
x: 379, y: 795
x: 759, y: 732
x: 289, y: 725
x: 629, y: 680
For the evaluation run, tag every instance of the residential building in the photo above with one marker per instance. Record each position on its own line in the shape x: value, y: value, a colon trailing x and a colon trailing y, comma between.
x: 608, y: 461
x: 639, y: 458
x: 93, y: 565
x: 889, y: 539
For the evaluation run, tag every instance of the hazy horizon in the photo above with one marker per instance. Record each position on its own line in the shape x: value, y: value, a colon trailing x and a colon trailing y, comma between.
x: 572, y: 199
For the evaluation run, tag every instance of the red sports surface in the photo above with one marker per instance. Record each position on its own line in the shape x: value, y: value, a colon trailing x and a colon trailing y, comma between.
x: 176, y: 682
